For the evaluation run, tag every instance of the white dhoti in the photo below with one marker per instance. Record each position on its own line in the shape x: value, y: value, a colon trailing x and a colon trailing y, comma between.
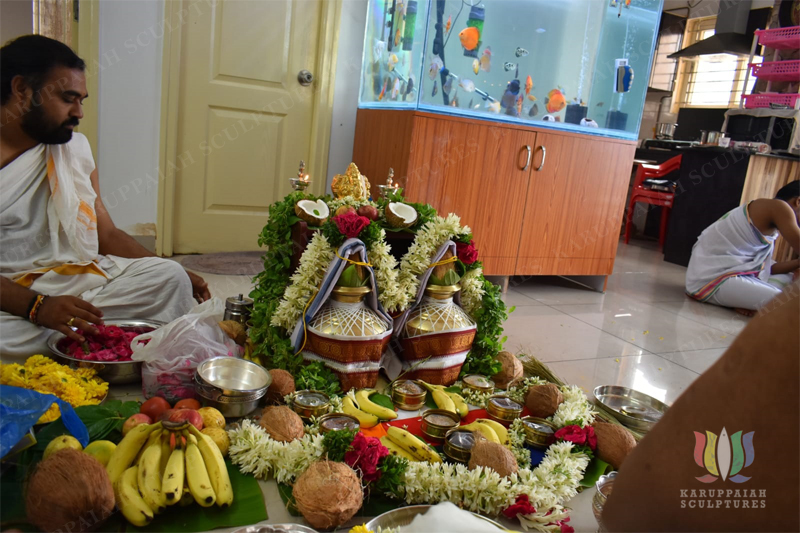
x: 49, y: 243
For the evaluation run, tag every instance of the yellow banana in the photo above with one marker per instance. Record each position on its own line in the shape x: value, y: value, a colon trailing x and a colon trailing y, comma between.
x: 166, y: 451
x: 413, y: 445
x: 365, y: 420
x: 133, y: 507
x: 502, y: 432
x: 395, y: 449
x: 370, y: 407
x: 461, y: 406
x: 483, y: 429
x: 149, y: 475
x: 443, y: 401
x: 215, y: 464
x: 174, y: 476
x: 197, y: 475
x: 127, y: 450
x: 186, y: 499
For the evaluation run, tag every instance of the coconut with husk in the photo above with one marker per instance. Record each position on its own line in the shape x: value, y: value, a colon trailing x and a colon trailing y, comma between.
x: 315, y: 213
x: 282, y: 385
x: 614, y: 443
x: 235, y: 330
x: 494, y: 456
x: 69, y: 491
x: 281, y: 423
x: 510, y: 371
x: 328, y: 494
x: 543, y: 400
x: 400, y: 215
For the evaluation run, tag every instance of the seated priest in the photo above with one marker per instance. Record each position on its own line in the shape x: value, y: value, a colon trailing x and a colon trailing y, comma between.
x: 731, y: 263
x: 64, y: 264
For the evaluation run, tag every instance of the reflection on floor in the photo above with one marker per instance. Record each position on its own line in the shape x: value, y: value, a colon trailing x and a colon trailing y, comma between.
x: 643, y: 333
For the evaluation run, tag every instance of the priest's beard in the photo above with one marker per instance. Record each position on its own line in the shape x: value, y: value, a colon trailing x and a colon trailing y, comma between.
x: 41, y: 129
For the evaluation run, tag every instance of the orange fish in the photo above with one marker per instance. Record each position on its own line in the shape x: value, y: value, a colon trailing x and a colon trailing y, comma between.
x: 528, y: 85
x: 555, y: 101
x: 469, y: 38
x: 519, y: 105
x: 397, y: 36
x: 448, y: 24
x: 383, y: 91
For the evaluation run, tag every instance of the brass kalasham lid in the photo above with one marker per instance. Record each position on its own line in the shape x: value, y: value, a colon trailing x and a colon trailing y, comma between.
x: 442, y: 292
x: 350, y: 295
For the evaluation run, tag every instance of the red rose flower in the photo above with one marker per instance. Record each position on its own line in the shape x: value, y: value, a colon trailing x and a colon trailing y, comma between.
x: 591, y: 438
x: 467, y: 253
x: 365, y: 453
x: 521, y: 506
x: 350, y: 224
x: 566, y: 528
x: 573, y: 434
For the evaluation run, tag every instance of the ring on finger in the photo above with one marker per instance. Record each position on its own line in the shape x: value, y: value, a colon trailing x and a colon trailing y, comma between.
x: 71, y: 321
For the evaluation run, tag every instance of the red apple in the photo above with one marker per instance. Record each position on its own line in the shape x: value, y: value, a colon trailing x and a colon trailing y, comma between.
x: 187, y: 415
x: 135, y: 420
x: 345, y: 209
x: 369, y: 211
x: 165, y: 414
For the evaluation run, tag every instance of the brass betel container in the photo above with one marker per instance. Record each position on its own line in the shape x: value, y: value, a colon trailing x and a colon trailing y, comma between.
x: 437, y: 422
x: 337, y: 421
x: 458, y: 444
x: 503, y: 409
x: 308, y: 403
x: 346, y: 315
x: 408, y: 395
x: 438, y: 312
x: 539, y: 433
x: 478, y: 383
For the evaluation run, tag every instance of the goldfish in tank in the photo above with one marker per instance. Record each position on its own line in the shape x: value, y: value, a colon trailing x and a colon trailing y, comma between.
x: 486, y: 59
x: 467, y: 84
x: 555, y: 101
x: 436, y: 67
x: 392, y: 61
x: 494, y: 107
x: 519, y: 105
x: 383, y: 91
x: 531, y: 98
x: 448, y: 24
x: 469, y: 38
x: 476, y: 66
x: 528, y: 85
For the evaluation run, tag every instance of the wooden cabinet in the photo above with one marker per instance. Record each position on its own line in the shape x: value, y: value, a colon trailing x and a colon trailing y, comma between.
x: 557, y: 212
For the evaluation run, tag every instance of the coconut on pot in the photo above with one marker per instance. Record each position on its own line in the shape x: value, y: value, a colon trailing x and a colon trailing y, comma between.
x: 400, y: 215
x: 328, y: 494
x: 315, y: 213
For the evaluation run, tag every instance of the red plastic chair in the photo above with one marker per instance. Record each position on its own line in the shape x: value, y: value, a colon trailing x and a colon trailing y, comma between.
x: 642, y: 193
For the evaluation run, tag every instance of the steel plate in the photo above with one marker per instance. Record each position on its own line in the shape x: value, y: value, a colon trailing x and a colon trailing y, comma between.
x: 404, y: 515
x: 634, y: 409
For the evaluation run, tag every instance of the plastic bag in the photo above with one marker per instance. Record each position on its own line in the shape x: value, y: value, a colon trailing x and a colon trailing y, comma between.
x: 21, y: 408
x: 180, y: 346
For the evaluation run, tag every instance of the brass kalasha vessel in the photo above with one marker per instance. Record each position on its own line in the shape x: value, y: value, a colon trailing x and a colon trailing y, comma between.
x: 437, y: 312
x: 346, y: 315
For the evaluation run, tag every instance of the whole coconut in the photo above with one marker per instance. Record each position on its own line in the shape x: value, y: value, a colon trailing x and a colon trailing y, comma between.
x: 328, y: 494
x: 493, y: 455
x: 614, y: 443
x: 69, y: 491
x: 282, y: 385
x: 543, y: 400
x: 281, y: 423
x: 511, y: 370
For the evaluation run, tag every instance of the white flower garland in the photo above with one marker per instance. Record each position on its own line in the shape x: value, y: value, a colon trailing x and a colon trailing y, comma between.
x: 256, y: 453
x: 308, y: 276
x: 472, y: 291
x: 390, y: 294
x: 516, y: 437
x: 575, y: 408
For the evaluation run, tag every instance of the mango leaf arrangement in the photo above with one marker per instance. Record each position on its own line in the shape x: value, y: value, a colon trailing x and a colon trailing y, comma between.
x: 281, y: 294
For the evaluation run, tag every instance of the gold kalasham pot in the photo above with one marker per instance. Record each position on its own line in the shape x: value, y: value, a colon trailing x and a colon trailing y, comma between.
x: 308, y: 403
x: 539, y: 433
x: 437, y: 312
x: 478, y: 383
x: 408, y: 395
x: 437, y: 422
x: 345, y: 315
x: 503, y: 409
x: 337, y: 421
x: 458, y: 444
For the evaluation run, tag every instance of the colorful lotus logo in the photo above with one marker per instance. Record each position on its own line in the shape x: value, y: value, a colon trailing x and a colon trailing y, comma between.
x: 723, y: 457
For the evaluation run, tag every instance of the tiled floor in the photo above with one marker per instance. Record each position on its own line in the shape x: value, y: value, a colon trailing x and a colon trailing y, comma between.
x: 643, y: 332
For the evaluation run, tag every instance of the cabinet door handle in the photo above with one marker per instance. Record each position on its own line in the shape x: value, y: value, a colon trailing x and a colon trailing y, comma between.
x: 528, y: 161
x: 544, y: 156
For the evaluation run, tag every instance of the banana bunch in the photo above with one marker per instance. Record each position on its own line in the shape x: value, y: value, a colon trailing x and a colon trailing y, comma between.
x: 491, y: 430
x: 155, y: 466
x: 368, y: 413
x: 401, y: 442
x: 449, y: 401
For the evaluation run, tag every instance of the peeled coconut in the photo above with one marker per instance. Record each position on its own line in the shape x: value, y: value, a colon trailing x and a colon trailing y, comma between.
x: 494, y: 456
x: 69, y: 491
x: 281, y: 386
x: 281, y: 423
x: 543, y: 400
x: 314, y: 213
x: 235, y: 331
x: 510, y: 371
x: 400, y: 215
x: 328, y: 494
x: 614, y: 443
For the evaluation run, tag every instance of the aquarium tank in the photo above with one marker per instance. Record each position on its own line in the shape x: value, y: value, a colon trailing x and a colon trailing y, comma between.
x: 579, y: 65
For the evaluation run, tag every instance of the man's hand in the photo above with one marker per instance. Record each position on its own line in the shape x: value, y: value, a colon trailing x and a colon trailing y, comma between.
x: 199, y: 287
x: 56, y: 312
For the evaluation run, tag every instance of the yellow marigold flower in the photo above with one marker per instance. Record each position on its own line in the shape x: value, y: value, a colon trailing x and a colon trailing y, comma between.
x: 360, y: 529
x: 51, y: 414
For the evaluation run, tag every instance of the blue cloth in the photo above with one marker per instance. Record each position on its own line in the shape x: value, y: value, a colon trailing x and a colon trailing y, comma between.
x: 21, y: 408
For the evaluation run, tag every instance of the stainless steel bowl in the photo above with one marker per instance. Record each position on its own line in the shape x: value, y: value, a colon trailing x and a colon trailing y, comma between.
x: 634, y: 409
x: 234, y: 386
x: 404, y: 515
x: 114, y: 372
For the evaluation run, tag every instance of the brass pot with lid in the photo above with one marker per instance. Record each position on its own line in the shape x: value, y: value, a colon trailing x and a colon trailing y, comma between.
x: 346, y: 315
x: 438, y: 312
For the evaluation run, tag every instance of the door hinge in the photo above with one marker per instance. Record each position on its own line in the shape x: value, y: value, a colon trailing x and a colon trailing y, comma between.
x: 76, y: 10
